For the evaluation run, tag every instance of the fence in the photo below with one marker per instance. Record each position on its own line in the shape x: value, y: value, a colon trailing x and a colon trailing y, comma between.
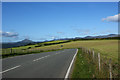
x: 104, y: 66
x: 12, y: 52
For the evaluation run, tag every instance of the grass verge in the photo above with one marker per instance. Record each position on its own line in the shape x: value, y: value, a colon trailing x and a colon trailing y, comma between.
x: 25, y: 53
x: 87, y: 67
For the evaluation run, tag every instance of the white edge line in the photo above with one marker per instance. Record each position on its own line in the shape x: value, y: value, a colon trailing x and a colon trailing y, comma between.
x: 10, y: 69
x: 68, y: 71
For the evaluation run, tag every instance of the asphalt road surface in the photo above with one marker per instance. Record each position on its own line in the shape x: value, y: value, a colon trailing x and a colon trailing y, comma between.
x: 42, y: 65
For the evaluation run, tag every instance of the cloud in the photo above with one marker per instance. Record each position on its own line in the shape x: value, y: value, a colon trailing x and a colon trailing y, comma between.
x: 82, y: 31
x: 103, y: 32
x: 54, y: 37
x: 8, y: 34
x: 26, y: 37
x: 42, y: 39
x: 60, y: 32
x: 114, y: 18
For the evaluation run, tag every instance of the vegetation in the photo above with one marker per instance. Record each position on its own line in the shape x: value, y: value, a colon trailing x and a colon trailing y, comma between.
x: 107, y: 48
x: 30, y: 48
x: 84, y: 66
x: 87, y: 67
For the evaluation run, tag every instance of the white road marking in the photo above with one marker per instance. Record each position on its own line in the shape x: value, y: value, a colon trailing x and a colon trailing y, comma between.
x: 47, y: 55
x: 41, y: 58
x: 10, y: 69
x: 68, y: 71
x: 38, y: 59
x: 58, y: 52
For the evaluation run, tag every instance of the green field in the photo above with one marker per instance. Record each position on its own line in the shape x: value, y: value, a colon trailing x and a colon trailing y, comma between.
x: 107, y: 48
x: 33, y: 46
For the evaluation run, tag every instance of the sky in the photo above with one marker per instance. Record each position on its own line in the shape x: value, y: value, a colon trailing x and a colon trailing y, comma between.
x: 60, y: 0
x: 39, y: 21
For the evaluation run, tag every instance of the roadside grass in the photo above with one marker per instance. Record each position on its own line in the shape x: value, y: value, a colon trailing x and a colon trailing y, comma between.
x: 82, y: 68
x: 27, y: 52
x: 87, y: 67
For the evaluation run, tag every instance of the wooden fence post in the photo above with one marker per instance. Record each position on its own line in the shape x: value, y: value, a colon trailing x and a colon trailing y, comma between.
x: 14, y: 51
x: 81, y: 49
x: 93, y: 54
x: 99, y: 60
x: 23, y: 51
x: 110, y: 69
x: 4, y: 51
x: 89, y: 51
x: 85, y: 50
x: 11, y: 50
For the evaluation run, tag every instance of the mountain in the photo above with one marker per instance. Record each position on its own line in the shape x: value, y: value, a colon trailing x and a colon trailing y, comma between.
x: 26, y: 41
x: 29, y: 42
x: 101, y: 36
x: 17, y: 44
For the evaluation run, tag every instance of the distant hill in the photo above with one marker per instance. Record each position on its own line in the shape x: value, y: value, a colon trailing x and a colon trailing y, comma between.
x: 29, y: 42
x: 26, y: 41
x: 92, y: 37
x: 17, y: 44
x: 101, y: 36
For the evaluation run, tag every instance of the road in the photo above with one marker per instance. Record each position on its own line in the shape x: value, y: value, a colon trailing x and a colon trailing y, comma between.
x: 53, y: 64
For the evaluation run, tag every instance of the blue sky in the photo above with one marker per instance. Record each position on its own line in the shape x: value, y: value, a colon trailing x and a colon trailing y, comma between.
x: 41, y: 21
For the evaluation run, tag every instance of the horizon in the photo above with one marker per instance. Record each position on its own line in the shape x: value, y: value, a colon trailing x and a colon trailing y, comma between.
x: 47, y: 21
x: 59, y: 38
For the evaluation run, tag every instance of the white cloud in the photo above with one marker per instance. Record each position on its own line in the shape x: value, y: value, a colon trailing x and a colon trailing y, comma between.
x: 82, y: 30
x: 59, y: 32
x: 8, y: 34
x: 54, y: 37
x: 115, y: 18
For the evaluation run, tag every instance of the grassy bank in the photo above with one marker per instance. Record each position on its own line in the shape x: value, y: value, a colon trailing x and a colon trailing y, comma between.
x: 86, y: 66
x: 26, y: 52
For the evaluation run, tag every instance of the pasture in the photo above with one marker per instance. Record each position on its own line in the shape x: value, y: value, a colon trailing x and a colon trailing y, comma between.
x: 107, y: 48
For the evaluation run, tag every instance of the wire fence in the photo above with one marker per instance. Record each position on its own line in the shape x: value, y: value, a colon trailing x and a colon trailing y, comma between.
x: 12, y: 52
x: 104, y: 67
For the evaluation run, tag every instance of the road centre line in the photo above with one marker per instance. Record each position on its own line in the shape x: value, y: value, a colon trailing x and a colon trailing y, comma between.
x: 40, y: 58
x: 20, y: 65
x: 47, y: 55
x: 10, y: 69
x: 56, y: 53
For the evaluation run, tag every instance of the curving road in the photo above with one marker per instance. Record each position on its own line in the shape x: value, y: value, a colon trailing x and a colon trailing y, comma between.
x: 42, y: 65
